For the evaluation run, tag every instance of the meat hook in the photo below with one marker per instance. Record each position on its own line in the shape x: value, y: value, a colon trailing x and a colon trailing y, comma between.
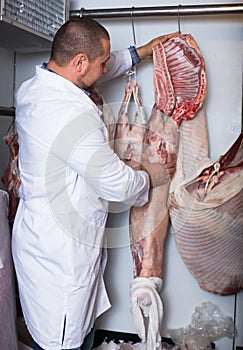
x: 179, y: 19
x: 12, y: 127
x: 133, y: 69
x: 133, y: 28
x: 215, y: 171
x: 81, y: 12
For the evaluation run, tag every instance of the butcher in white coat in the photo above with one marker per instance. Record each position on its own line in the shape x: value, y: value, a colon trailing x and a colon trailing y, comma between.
x: 69, y: 174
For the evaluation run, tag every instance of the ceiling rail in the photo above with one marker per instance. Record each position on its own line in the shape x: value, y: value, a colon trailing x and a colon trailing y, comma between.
x: 184, y: 10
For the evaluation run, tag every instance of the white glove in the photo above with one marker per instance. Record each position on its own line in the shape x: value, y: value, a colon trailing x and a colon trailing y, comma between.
x: 146, y: 303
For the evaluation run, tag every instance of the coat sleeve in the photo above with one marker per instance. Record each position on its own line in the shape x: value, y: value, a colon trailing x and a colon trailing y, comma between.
x: 101, y: 169
x: 119, y: 63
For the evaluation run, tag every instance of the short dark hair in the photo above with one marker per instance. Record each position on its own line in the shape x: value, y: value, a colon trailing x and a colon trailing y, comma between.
x: 81, y: 35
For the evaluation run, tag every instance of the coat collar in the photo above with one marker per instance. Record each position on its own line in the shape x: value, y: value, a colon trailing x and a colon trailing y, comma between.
x: 60, y: 83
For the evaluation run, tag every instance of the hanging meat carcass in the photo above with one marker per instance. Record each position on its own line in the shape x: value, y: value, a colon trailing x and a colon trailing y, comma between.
x: 206, y: 214
x: 208, y: 240
x: 107, y: 115
x: 148, y: 231
x: 178, y: 64
x: 129, y: 147
x: 10, y: 177
x: 180, y: 89
x: 148, y: 224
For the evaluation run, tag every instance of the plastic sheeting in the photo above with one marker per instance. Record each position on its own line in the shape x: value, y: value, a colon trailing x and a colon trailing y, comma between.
x: 208, y: 324
x: 8, y: 332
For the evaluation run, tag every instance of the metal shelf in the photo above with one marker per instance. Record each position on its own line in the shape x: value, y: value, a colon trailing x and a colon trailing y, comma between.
x: 18, y: 37
x: 30, y: 26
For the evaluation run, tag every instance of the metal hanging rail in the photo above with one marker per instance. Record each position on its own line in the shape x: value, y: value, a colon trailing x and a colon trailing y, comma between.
x: 184, y: 10
x: 7, y: 111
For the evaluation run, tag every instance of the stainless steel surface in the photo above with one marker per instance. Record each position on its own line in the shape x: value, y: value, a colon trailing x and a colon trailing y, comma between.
x: 185, y: 10
x: 19, y: 38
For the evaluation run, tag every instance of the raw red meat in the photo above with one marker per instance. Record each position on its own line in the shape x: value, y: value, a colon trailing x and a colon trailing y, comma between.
x: 10, y: 177
x: 179, y: 77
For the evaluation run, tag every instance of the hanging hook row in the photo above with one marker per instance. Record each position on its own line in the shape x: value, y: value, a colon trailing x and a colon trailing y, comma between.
x: 133, y: 72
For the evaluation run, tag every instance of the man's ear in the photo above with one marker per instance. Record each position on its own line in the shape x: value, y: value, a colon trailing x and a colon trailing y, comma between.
x: 81, y: 63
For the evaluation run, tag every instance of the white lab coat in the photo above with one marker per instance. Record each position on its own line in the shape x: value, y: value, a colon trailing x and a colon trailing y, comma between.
x: 59, y: 227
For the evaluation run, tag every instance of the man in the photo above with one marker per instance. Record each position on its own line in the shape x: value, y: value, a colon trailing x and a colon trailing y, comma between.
x: 68, y: 176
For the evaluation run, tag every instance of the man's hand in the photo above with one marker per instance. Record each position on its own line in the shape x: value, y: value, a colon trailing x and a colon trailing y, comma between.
x: 159, y: 173
x: 145, y: 51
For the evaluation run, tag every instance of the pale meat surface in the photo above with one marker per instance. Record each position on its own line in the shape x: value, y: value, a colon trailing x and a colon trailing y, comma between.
x: 107, y: 115
x: 206, y: 214
x: 149, y: 224
x: 10, y: 177
x: 157, y: 140
x: 129, y: 133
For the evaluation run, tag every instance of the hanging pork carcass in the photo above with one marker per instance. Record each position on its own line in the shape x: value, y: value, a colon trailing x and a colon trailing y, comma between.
x: 180, y: 78
x: 148, y: 231
x: 180, y: 89
x: 144, y: 236
x: 206, y: 201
